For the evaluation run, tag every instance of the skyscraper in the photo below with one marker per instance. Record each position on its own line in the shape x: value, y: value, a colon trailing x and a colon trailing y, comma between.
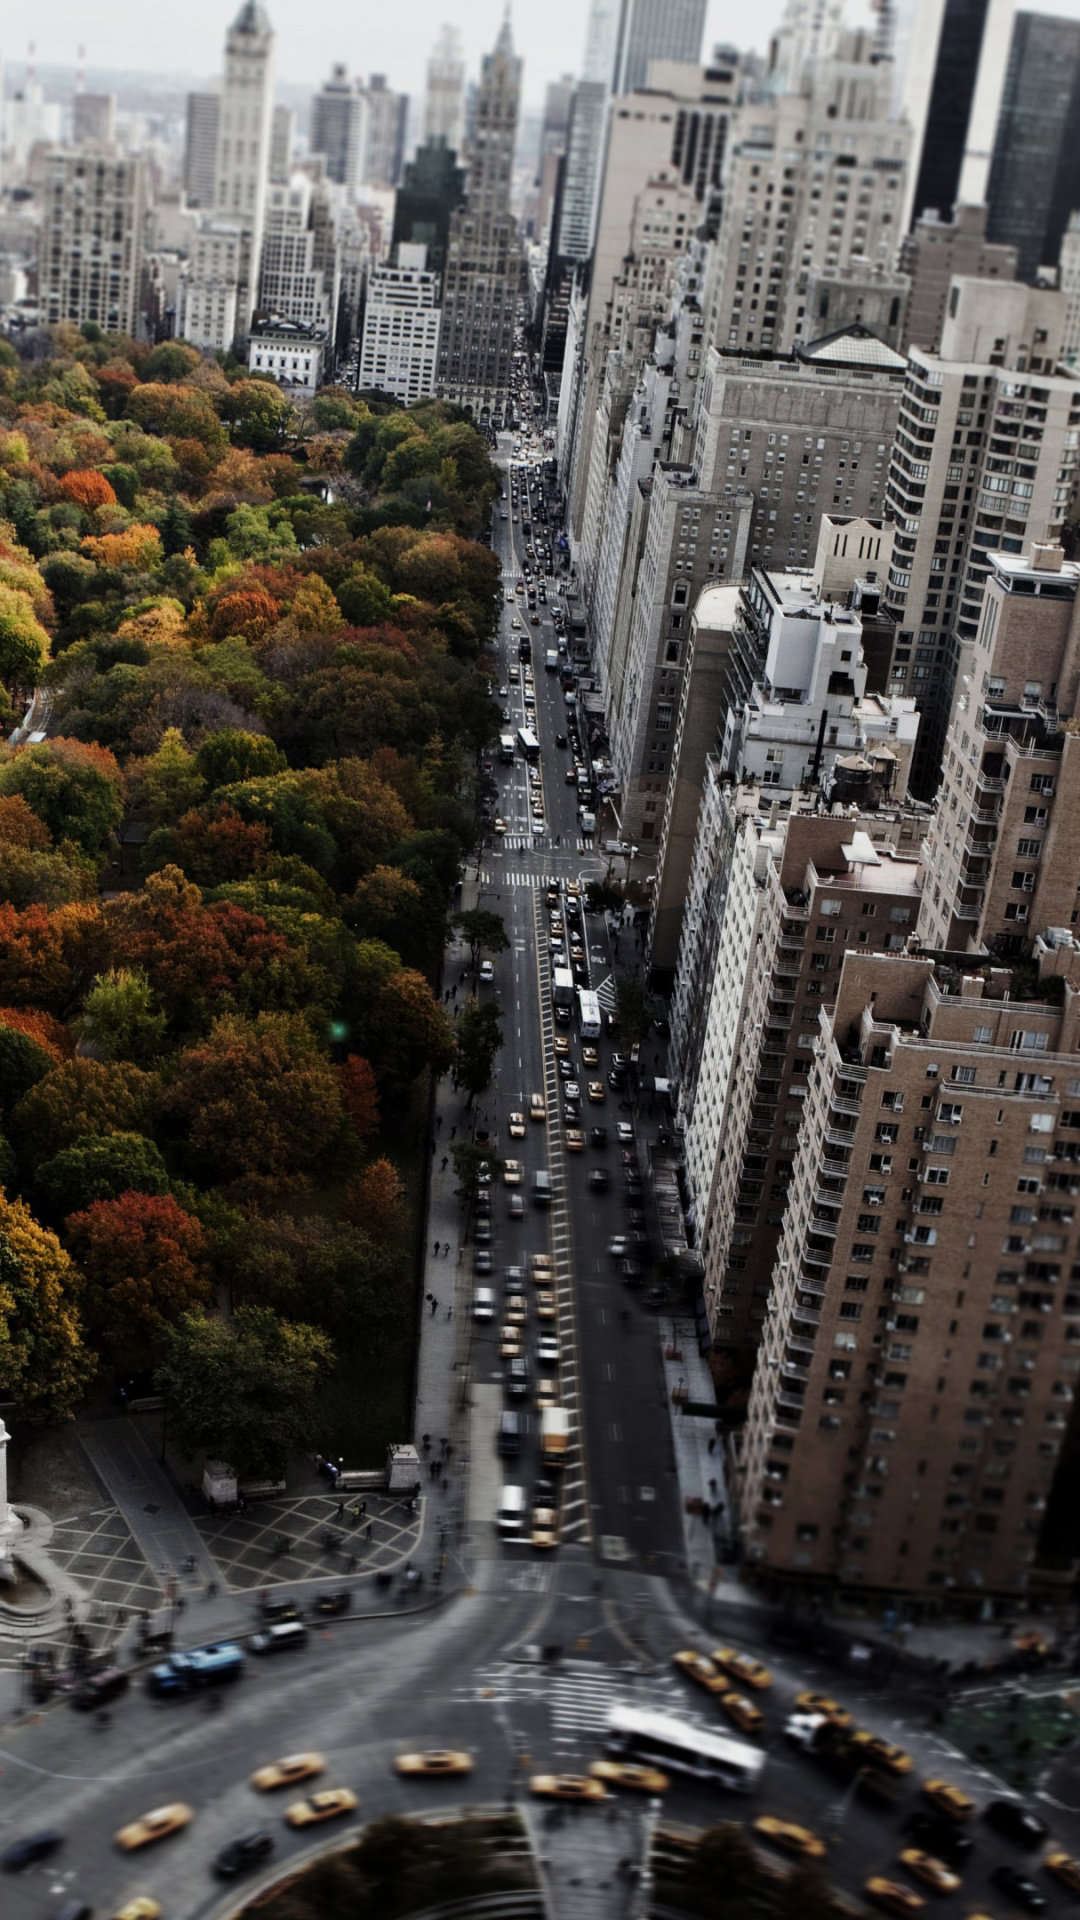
x: 219, y: 285
x: 1034, y: 182
x: 432, y: 189
x: 93, y: 119
x: 655, y: 30
x: 337, y: 127
x: 483, y: 279
x: 203, y: 112
x: 384, y: 136
x: 444, y: 96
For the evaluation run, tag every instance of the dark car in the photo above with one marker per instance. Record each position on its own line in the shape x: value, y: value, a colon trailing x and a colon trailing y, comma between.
x: 560, y: 739
x: 517, y: 1379
x: 1008, y: 1817
x: 243, y: 1854
x: 99, y: 1688
x: 635, y: 1218
x: 598, y: 1136
x: 630, y: 1271
x: 516, y: 1208
x: 35, y: 1847
x: 939, y: 1835
x: 482, y: 1233
x: 328, y: 1603
x: 1020, y: 1888
x: 599, y: 1177
x: 482, y: 1261
x: 280, y: 1607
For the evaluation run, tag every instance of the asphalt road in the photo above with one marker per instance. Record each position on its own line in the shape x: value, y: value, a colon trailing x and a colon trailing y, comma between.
x: 468, y: 1674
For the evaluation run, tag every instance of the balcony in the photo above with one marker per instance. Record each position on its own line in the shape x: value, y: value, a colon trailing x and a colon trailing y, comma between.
x: 839, y: 1103
x: 839, y: 1136
x: 838, y: 1169
x: 788, y: 1403
x: 981, y: 819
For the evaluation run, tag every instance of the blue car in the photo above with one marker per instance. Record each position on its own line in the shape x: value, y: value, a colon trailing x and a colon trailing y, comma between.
x: 210, y: 1666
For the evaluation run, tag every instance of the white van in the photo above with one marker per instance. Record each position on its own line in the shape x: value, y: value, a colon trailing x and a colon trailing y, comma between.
x: 483, y: 1304
x: 512, y: 1511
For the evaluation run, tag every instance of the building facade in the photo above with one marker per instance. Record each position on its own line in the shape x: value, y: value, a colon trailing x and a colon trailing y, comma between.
x: 400, y: 347
x: 91, y: 253
x: 201, y: 118
x: 220, y: 284
x: 337, y: 128
x: 923, y: 1332
x: 444, y: 94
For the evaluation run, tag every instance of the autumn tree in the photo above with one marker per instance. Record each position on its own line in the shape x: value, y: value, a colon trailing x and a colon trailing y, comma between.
x: 24, y: 643
x: 407, y: 1031
x: 121, y: 1018
x: 360, y: 1095
x: 171, y: 780
x: 98, y: 1167
x: 245, y: 1390
x: 44, y: 1365
x: 375, y: 1201
x: 211, y: 846
x: 144, y: 1266
x: 83, y: 1097
x: 257, y: 1099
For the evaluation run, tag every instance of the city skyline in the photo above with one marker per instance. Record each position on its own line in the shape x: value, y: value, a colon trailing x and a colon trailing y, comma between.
x: 126, y: 39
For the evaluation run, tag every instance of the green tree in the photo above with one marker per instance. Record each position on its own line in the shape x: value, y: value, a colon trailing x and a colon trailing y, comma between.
x: 479, y: 1037
x: 245, y: 1390
x: 406, y: 1031
x: 24, y: 643
x: 80, y: 1097
x: 74, y: 788
x: 171, y: 779
x: 22, y: 1064
x: 485, y: 932
x: 99, y: 1167
x: 122, y: 1018
x: 231, y: 755
x: 469, y: 1157
x: 44, y: 1366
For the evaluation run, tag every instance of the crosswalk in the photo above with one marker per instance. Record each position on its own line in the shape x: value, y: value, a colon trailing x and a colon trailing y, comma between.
x: 607, y: 995
x: 580, y: 1695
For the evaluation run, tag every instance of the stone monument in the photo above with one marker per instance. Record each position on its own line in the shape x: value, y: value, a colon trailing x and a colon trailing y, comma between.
x: 10, y: 1524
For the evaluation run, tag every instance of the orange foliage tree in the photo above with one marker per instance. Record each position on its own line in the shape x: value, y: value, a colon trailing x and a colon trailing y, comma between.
x: 143, y: 1262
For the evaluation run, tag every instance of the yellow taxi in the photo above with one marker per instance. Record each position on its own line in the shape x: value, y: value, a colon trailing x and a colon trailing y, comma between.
x: 537, y: 1107
x: 623, y: 1773
x: 509, y: 1343
x: 747, y: 1717
x: 1031, y: 1642
x: 789, y: 1838
x: 590, y: 1057
x: 286, y: 1772
x: 516, y: 1124
x: 1064, y: 1868
x: 575, y: 1140
x: 141, y: 1908
x: 699, y: 1668
x: 596, y: 1091
x: 545, y: 1306
x: 931, y: 1871
x: 573, y: 890
x: 154, y: 1826
x: 567, y: 1786
x: 824, y: 1704
x: 328, y: 1805
x: 949, y: 1799
x: 882, y: 1752
x: 562, y: 1046
x: 545, y: 1527
x: 516, y: 1310
x: 547, y: 1395
x: 499, y: 824
x: 433, y: 1763
x: 742, y: 1667
x: 542, y: 1268
x: 895, y: 1899
x: 512, y: 1171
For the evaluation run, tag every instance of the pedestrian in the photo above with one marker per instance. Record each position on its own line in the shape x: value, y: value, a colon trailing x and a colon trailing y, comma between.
x: 453, y: 1130
x: 352, y: 1563
x: 426, y: 1441
x: 446, y: 1486
x: 446, y: 1249
x: 712, y: 1444
x: 367, y: 1532
x: 211, y: 1589
x: 435, y: 1470
x: 354, y: 1517
x: 341, y: 1509
x: 443, y: 1444
x: 445, y: 1164
x: 438, y: 1122
x: 450, y: 1313
x: 447, y: 1448
x: 434, y: 1306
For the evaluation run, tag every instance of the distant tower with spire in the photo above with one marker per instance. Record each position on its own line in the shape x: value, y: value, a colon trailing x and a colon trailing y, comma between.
x: 485, y: 263
x: 219, y: 288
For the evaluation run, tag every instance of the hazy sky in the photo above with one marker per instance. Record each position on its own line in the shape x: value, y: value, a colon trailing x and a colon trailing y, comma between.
x: 383, y: 38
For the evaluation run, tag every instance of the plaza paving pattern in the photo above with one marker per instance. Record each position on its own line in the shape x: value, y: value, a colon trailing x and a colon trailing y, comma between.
x: 243, y: 1545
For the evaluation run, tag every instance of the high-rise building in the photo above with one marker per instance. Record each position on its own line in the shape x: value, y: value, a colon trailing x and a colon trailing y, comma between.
x: 1069, y: 282
x: 299, y: 279
x: 337, y: 127
x: 946, y: 46
x: 211, y: 310
x: 483, y: 279
x: 203, y: 112
x: 282, y: 136
x: 444, y: 96
x: 432, y: 190
x: 93, y: 119
x: 1002, y: 856
x: 655, y: 30
x: 931, y: 254
x: 90, y: 260
x: 918, y: 1366
x: 985, y: 456
x: 399, y: 353
x: 386, y: 115
x: 1034, y: 182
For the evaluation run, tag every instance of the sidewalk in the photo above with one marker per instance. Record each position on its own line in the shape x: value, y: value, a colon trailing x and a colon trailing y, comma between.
x: 152, y: 1509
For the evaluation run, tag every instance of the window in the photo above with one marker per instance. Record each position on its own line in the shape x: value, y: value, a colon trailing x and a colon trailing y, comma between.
x: 963, y: 1075
x: 850, y: 1310
x: 830, y: 907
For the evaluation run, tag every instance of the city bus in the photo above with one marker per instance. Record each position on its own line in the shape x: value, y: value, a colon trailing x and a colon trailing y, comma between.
x: 528, y: 743
x: 658, y: 1739
x: 506, y: 749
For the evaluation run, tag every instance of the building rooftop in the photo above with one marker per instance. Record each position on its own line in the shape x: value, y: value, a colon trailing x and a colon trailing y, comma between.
x: 853, y: 346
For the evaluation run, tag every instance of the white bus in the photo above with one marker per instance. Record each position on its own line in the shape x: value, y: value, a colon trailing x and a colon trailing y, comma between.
x: 663, y: 1741
x: 528, y: 743
x: 588, y: 1014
